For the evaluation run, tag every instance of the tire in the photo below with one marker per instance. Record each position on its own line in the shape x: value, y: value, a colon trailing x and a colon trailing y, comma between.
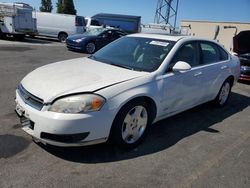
x: 19, y: 36
x: 90, y: 47
x: 131, y: 125
x: 1, y: 34
x: 224, y: 94
x: 62, y: 37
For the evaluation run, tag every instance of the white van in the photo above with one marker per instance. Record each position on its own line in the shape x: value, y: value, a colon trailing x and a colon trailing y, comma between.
x: 59, y: 25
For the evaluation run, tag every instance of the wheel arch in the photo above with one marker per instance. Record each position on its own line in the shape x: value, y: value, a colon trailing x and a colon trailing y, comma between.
x: 149, y: 101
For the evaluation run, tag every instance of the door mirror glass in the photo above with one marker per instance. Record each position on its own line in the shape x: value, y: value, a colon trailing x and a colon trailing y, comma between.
x: 181, y: 66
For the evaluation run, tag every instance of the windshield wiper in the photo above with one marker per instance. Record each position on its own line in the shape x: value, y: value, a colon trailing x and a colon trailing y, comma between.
x: 122, y: 66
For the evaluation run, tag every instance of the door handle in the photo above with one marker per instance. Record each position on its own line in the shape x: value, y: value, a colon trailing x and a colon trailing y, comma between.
x: 198, y: 74
x: 223, y: 67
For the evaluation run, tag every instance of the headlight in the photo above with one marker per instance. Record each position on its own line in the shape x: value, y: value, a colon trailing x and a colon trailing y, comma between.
x: 78, y: 104
x: 79, y: 40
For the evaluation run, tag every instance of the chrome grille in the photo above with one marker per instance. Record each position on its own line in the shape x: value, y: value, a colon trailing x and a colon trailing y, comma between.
x: 29, y: 99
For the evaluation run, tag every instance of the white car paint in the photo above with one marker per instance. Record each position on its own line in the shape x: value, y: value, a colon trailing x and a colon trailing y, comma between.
x: 84, y: 75
x: 171, y: 92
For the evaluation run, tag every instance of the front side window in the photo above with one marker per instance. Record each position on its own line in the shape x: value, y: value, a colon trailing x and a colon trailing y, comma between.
x: 188, y: 53
x: 135, y: 53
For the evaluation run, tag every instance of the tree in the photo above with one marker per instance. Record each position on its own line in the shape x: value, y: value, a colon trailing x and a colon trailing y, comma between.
x: 59, y: 5
x: 66, y: 7
x: 69, y: 7
x: 46, y: 6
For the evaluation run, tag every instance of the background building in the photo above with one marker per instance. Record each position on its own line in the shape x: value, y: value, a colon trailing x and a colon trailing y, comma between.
x: 223, y: 32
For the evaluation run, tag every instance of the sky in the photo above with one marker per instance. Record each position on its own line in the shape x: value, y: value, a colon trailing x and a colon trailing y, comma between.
x: 210, y: 10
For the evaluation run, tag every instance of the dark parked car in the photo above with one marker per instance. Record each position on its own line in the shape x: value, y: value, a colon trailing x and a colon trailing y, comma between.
x: 245, y: 67
x: 93, y: 39
x: 242, y: 48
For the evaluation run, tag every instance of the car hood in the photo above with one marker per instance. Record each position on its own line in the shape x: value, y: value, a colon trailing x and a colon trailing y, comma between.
x: 74, y: 76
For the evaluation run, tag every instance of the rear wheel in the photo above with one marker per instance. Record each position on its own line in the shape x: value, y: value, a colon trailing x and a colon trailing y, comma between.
x: 90, y: 47
x: 131, y: 125
x: 223, y: 94
x: 62, y: 37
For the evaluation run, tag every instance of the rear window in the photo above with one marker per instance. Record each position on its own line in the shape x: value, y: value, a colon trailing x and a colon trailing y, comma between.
x: 80, y: 21
x: 95, y: 23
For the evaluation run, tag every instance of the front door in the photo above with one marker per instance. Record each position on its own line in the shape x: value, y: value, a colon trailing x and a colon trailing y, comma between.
x: 182, y: 90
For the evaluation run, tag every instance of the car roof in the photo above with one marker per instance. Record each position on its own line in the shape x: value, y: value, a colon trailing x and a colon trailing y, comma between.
x: 168, y: 37
x: 159, y: 36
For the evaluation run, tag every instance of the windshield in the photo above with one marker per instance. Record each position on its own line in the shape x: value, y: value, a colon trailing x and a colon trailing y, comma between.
x: 94, y: 31
x: 135, y: 53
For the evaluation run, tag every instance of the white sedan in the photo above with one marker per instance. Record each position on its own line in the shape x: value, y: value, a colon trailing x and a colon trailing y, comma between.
x: 117, y: 93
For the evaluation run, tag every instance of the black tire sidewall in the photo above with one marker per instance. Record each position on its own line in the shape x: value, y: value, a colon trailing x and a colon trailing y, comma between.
x: 217, y: 99
x: 61, y: 36
x: 87, y: 49
x: 116, y: 130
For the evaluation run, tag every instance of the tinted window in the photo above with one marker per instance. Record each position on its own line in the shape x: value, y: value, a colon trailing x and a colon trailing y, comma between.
x: 95, y: 23
x: 223, y: 54
x: 210, y: 53
x: 80, y: 21
x: 117, y: 34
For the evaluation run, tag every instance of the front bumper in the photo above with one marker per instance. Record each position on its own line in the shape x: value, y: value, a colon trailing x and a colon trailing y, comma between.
x: 65, y: 129
x: 74, y: 46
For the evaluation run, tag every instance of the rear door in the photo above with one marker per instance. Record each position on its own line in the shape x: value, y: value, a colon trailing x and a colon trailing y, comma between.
x: 214, y: 67
x: 24, y: 21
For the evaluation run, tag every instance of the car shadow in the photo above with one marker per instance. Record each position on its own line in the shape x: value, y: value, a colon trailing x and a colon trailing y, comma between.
x: 244, y: 82
x: 32, y: 40
x: 162, y: 135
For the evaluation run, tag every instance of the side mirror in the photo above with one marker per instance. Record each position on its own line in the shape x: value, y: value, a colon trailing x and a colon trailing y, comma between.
x: 181, y: 66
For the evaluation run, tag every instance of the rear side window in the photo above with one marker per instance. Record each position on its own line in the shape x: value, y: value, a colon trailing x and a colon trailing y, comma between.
x: 223, y: 54
x: 80, y: 21
x: 210, y: 53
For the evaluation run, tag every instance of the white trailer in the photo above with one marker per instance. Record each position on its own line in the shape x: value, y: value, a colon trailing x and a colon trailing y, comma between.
x: 16, y: 19
x: 59, y: 25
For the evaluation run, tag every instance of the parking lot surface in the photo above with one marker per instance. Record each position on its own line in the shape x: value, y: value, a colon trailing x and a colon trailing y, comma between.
x: 202, y: 147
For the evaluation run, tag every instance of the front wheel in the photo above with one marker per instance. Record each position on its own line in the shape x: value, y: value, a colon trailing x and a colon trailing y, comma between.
x: 90, y: 48
x: 131, y: 124
x: 223, y: 94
